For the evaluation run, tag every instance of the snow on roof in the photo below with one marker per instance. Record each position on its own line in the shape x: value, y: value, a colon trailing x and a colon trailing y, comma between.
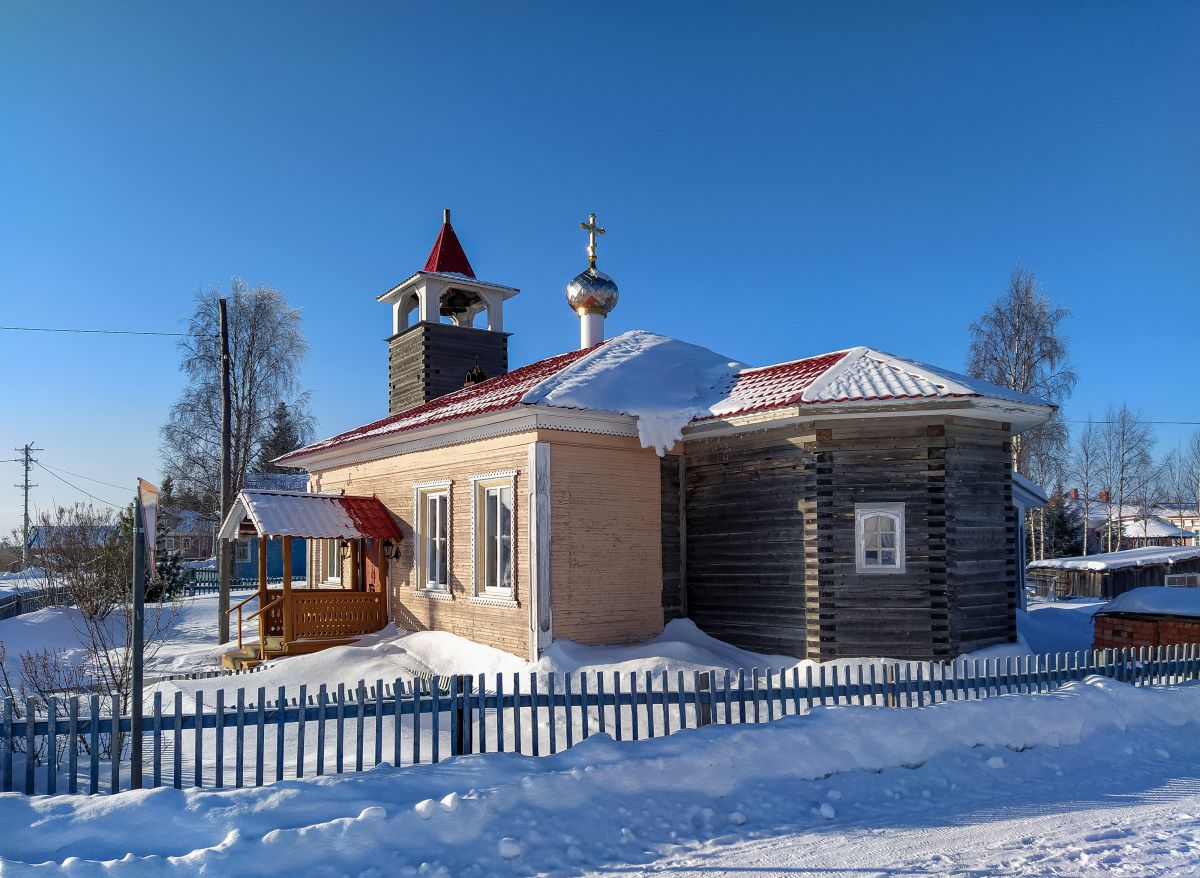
x: 318, y: 516
x: 666, y: 384
x: 663, y: 382
x: 1154, y: 528
x: 1148, y: 556
x: 1028, y: 492
x: 1159, y: 600
x: 867, y: 374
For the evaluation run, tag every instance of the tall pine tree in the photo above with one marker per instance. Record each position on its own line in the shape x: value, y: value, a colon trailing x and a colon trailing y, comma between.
x: 284, y: 434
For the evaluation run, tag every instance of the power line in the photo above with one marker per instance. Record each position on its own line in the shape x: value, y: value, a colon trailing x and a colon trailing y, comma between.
x: 94, y: 331
x: 81, y: 476
x: 85, y: 493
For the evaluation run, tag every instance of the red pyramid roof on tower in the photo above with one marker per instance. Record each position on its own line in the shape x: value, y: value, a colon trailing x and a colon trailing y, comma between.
x: 447, y: 254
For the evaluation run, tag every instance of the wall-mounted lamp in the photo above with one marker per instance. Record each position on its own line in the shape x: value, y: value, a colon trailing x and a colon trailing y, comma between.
x: 389, y: 549
x: 345, y: 549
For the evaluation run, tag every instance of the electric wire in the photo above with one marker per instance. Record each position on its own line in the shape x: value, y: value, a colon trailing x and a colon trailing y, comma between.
x: 81, y: 491
x: 90, y: 331
x: 67, y: 472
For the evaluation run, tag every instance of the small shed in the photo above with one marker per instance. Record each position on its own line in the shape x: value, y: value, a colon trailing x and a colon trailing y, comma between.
x: 1113, y: 573
x: 1149, y: 617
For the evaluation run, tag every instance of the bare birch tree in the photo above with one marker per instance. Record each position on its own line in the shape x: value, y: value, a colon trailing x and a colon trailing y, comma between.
x: 1085, y: 469
x: 1018, y: 344
x: 1125, y: 464
x: 267, y: 349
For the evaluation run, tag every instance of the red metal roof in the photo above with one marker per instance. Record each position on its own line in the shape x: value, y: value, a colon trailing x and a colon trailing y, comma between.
x: 305, y: 515
x: 447, y: 254
x: 493, y: 395
x: 865, y: 376
x: 769, y: 387
x: 371, y: 517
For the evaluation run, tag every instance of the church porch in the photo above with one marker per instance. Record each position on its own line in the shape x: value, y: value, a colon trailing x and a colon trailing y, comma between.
x: 294, y: 620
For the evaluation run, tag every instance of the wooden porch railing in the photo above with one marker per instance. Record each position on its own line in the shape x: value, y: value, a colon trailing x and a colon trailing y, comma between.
x: 321, y: 613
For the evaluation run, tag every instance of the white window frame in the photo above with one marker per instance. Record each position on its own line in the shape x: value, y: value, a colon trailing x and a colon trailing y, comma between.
x: 421, y: 495
x: 331, y: 561
x: 481, y: 486
x: 863, y: 511
x: 169, y: 544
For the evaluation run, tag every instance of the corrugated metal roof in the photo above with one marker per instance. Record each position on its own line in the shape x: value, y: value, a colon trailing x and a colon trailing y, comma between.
x: 855, y: 375
x: 493, y: 395
x: 312, y: 516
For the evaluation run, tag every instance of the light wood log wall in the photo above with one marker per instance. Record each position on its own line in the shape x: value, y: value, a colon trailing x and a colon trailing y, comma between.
x: 392, y: 480
x: 606, y: 537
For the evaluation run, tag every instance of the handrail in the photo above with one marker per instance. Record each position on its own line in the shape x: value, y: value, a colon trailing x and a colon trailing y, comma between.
x: 262, y: 610
x: 257, y: 612
x: 242, y: 604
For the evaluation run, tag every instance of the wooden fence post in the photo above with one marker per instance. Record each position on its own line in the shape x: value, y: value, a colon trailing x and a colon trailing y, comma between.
x: 704, y: 683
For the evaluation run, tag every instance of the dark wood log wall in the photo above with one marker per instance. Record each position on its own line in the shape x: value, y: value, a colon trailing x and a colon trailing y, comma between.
x: 904, y: 615
x: 980, y: 535
x: 770, y: 545
x: 674, y: 606
x: 429, y: 360
x: 744, y: 500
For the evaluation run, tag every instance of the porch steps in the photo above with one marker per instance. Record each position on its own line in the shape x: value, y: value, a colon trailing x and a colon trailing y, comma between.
x: 248, y: 657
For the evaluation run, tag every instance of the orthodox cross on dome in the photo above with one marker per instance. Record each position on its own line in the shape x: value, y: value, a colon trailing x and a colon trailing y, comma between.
x: 593, y: 230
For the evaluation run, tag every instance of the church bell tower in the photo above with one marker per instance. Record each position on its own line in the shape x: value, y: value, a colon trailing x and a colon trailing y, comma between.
x: 447, y: 327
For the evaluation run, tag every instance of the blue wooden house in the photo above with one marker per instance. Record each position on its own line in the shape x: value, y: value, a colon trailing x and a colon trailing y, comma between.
x: 245, y: 559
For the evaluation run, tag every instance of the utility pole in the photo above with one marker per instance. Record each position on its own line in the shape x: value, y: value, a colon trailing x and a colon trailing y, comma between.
x: 224, y: 555
x: 27, y: 461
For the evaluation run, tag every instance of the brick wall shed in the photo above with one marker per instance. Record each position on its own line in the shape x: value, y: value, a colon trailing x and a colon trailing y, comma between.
x: 1120, y: 630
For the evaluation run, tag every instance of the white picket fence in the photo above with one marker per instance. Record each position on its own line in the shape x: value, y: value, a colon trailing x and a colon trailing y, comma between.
x: 77, y: 742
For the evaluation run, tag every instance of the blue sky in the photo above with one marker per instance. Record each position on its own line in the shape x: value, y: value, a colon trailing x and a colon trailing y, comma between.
x: 777, y: 180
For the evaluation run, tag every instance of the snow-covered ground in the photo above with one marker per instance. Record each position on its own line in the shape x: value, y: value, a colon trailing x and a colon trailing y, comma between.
x: 390, y: 654
x: 1097, y: 779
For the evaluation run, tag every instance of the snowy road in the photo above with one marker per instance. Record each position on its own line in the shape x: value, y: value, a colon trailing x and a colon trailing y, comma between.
x: 1120, y: 805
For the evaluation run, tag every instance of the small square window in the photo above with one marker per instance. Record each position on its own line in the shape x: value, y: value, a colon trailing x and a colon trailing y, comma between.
x: 879, y: 537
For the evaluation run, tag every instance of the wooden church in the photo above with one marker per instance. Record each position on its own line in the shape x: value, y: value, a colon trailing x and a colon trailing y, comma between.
x: 852, y: 503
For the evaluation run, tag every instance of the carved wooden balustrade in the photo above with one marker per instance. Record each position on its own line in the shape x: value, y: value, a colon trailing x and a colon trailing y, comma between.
x: 320, y: 613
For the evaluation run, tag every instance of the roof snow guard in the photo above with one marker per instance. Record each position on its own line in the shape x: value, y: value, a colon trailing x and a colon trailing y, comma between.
x: 310, y: 516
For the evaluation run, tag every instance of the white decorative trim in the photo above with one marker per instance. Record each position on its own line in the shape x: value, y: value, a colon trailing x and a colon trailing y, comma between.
x: 435, y: 594
x: 519, y: 419
x: 541, y: 620
x: 492, y: 600
x: 1021, y: 417
x: 495, y: 476
x: 478, y: 589
x: 420, y: 488
x: 437, y: 483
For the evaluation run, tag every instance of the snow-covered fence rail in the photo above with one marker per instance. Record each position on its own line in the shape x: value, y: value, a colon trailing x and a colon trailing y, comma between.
x: 27, y: 601
x: 81, y: 744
